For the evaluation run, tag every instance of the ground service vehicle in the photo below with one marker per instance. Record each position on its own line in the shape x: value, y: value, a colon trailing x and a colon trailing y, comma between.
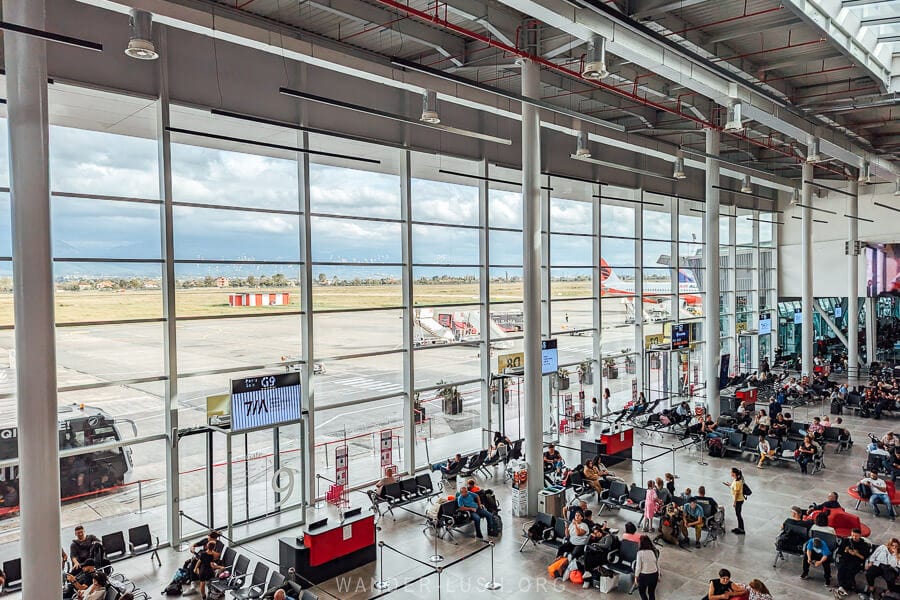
x: 82, y: 475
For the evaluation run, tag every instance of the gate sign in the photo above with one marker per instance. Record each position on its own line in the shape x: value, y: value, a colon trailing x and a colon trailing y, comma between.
x: 341, y: 465
x: 513, y: 360
x: 265, y: 401
x: 386, y: 448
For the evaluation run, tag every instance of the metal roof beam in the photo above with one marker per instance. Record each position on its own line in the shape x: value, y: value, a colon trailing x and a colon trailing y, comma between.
x: 627, y: 41
x: 502, y: 24
x: 450, y: 46
x: 649, y: 9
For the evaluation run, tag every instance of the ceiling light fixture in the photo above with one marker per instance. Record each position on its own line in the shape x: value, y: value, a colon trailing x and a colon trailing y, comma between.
x: 795, y: 197
x: 582, y: 145
x: 678, y: 172
x: 603, y: 163
x: 430, y: 108
x: 812, y: 151
x: 734, y: 121
x: 864, y: 173
x: 595, y: 65
x: 394, y: 117
x: 747, y: 187
x: 140, y: 40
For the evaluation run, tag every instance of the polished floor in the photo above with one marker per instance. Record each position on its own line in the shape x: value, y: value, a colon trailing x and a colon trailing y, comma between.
x: 467, y: 565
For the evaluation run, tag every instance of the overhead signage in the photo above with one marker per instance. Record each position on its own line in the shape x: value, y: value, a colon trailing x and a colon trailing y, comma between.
x: 681, y: 335
x: 765, y: 323
x: 513, y: 360
x: 265, y: 401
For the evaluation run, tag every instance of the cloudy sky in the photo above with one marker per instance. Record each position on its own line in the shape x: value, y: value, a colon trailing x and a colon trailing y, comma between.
x: 90, y: 162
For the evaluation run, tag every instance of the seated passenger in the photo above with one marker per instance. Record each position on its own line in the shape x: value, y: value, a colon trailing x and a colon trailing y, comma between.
x: 577, y: 534
x: 702, y: 498
x: 723, y: 588
x: 693, y: 518
x: 553, y: 460
x: 766, y: 452
x: 817, y: 554
x: 883, y: 562
x: 452, y: 465
x: 386, y: 480
x: 80, y: 581
x: 878, y: 493
x: 81, y: 547
x: 470, y: 503
x: 631, y: 533
x: 851, y: 555
x: 821, y: 524
x: 805, y: 454
x: 592, y: 475
x: 831, y: 502
x: 97, y: 589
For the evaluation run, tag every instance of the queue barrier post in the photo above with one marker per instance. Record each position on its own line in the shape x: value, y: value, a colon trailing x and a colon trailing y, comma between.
x: 493, y: 584
x: 436, y: 557
x: 140, y: 496
x: 381, y: 584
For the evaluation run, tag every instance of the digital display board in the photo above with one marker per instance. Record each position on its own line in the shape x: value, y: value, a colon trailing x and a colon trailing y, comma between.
x: 265, y: 401
x: 838, y: 312
x: 549, y: 357
x: 681, y: 335
x: 765, y: 323
x: 798, y: 317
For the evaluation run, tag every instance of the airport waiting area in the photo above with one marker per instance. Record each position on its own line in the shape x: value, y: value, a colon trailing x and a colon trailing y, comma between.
x: 362, y: 299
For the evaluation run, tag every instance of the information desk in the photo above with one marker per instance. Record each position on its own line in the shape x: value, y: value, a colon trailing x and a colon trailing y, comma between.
x: 328, y: 551
x: 612, y: 447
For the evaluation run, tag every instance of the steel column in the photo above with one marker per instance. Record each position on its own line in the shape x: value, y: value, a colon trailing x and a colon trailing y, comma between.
x: 484, y: 322
x: 307, y: 329
x: 29, y: 174
x: 409, y: 316
x: 531, y: 225
x: 711, y: 258
x: 871, y: 331
x: 806, y: 267
x: 597, y: 348
x: 853, y: 285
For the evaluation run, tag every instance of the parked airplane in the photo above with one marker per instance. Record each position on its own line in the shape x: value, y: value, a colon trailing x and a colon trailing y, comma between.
x: 612, y: 285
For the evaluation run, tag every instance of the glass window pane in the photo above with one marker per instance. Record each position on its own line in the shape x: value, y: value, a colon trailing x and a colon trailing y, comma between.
x: 88, y: 228
x: 353, y: 192
x: 97, y: 291
x: 570, y: 216
x: 504, y: 208
x: 444, y: 245
x: 617, y: 219
x: 617, y: 252
x: 339, y: 334
x: 226, y: 343
x: 357, y: 379
x: 211, y: 234
x: 445, y: 285
x: 506, y: 285
x: 336, y: 287
x: 203, y: 290
x: 354, y: 241
x: 570, y: 250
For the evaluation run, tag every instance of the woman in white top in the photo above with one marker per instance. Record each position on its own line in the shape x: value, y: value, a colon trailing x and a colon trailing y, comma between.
x: 97, y: 589
x: 881, y: 563
x: 577, y: 534
x: 821, y: 523
x: 646, y: 569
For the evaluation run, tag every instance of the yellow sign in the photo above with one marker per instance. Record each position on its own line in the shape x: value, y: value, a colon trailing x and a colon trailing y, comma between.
x: 741, y: 327
x: 657, y: 339
x: 218, y: 405
x: 513, y: 360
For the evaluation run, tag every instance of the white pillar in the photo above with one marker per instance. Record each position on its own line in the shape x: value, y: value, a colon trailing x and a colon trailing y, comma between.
x: 531, y: 224
x: 806, y: 300
x: 853, y: 286
x: 871, y: 331
x: 711, y: 260
x: 29, y: 169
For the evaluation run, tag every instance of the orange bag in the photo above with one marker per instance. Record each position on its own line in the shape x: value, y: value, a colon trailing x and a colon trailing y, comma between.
x: 558, y: 567
x: 576, y: 577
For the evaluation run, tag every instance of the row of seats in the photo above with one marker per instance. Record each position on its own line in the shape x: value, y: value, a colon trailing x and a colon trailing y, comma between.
x: 739, y: 442
x: 401, y: 493
x: 260, y: 580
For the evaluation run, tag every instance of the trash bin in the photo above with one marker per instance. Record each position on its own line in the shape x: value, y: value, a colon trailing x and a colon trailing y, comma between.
x: 552, y: 500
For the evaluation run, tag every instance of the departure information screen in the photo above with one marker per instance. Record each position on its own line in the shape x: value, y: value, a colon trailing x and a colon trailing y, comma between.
x: 265, y: 401
x: 549, y: 357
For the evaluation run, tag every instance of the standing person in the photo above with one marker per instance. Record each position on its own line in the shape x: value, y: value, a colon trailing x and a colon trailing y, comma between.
x: 206, y: 566
x: 651, y: 505
x: 852, y: 553
x: 759, y: 591
x: 646, y: 569
x: 606, y: 399
x: 595, y: 407
x: 737, y: 498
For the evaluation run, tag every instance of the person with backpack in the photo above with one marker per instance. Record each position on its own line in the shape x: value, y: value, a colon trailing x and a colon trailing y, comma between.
x: 877, y: 493
x: 737, y: 498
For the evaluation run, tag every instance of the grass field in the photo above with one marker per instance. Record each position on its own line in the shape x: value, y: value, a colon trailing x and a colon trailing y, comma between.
x: 114, y: 305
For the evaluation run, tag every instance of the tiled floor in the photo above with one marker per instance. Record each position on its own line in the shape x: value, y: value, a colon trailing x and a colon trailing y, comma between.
x: 523, y: 575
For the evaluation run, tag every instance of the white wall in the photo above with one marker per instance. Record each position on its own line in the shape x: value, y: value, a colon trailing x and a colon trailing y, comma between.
x: 829, y: 260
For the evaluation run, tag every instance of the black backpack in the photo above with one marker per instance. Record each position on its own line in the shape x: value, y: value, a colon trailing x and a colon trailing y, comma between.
x: 715, y: 447
x: 746, y: 490
x: 536, y: 531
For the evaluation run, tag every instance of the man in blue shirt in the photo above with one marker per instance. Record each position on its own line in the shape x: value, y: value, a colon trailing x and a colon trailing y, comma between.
x: 817, y: 554
x: 693, y: 517
x: 468, y: 502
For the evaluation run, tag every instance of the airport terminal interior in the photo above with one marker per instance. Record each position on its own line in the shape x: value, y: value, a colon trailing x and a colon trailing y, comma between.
x: 356, y: 299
